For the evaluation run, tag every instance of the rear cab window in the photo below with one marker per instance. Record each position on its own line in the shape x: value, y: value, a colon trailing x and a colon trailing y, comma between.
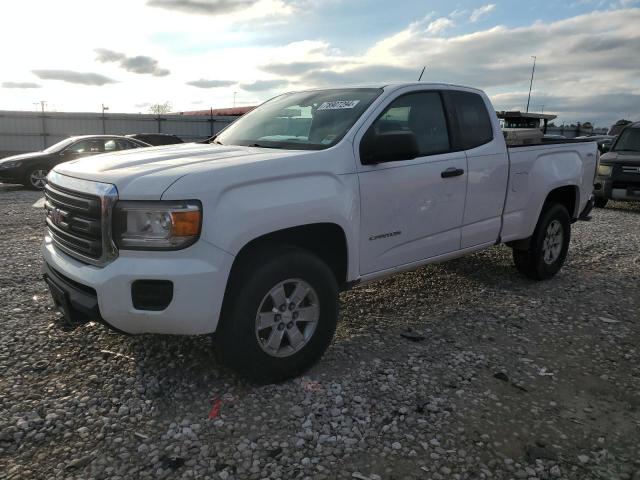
x: 474, y: 123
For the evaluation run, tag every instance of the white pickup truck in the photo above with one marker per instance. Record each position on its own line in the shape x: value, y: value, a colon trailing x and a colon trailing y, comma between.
x: 253, y: 234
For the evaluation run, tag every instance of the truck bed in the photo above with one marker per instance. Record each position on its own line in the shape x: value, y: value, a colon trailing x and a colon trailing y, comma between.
x: 533, y: 168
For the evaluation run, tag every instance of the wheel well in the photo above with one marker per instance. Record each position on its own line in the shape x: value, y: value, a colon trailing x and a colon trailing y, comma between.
x: 326, y: 240
x: 566, y: 196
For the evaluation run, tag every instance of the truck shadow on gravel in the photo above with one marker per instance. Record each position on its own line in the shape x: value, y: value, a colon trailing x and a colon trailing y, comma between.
x: 490, y: 268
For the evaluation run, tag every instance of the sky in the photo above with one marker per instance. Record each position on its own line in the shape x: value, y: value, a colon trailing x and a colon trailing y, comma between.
x: 77, y: 55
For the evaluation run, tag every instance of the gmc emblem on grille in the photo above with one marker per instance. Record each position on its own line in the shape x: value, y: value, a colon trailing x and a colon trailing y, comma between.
x: 55, y: 214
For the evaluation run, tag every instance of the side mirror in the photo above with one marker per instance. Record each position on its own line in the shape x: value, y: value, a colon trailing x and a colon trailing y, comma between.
x: 388, y: 147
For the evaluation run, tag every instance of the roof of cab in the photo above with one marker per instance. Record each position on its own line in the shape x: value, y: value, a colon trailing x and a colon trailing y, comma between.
x: 430, y: 84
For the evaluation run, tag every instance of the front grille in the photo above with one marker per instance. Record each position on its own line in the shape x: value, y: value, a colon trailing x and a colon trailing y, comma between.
x: 74, y: 220
x: 78, y: 217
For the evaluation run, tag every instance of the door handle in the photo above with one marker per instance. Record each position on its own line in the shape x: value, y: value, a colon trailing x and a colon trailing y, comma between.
x: 452, y: 172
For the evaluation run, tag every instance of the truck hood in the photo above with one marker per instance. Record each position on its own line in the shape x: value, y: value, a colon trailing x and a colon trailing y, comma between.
x: 145, y: 173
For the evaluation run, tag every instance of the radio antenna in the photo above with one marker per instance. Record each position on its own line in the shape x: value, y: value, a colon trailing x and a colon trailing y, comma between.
x: 422, y: 73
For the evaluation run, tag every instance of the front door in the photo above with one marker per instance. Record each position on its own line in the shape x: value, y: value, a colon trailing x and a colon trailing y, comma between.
x: 411, y: 210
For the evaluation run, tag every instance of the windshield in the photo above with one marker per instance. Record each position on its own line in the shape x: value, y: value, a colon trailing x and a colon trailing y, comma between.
x: 521, y: 123
x: 311, y: 120
x: 56, y: 147
x: 629, y: 141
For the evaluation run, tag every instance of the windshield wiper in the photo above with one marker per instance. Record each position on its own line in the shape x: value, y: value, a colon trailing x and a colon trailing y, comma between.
x: 260, y: 145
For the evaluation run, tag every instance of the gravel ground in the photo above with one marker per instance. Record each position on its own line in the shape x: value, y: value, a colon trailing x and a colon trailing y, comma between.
x: 503, y: 378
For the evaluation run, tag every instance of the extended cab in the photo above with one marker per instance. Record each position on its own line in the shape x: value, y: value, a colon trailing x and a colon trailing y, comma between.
x: 253, y: 235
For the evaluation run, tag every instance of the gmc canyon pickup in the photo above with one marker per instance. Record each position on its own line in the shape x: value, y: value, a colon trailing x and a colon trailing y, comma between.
x: 253, y: 234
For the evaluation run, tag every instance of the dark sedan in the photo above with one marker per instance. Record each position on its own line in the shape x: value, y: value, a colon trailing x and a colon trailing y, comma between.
x: 156, y: 139
x: 30, y: 169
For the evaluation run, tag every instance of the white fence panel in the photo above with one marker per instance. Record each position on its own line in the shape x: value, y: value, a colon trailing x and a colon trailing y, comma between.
x: 31, y: 131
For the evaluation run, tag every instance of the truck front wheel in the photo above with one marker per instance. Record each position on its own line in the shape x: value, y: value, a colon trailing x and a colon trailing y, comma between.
x: 548, y: 246
x: 279, y: 315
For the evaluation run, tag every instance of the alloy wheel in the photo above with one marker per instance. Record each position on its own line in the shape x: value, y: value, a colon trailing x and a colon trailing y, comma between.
x: 287, y: 318
x: 38, y: 178
x: 552, y: 243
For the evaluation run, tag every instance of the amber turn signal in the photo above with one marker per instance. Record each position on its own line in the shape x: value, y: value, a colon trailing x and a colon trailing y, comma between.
x: 185, y: 224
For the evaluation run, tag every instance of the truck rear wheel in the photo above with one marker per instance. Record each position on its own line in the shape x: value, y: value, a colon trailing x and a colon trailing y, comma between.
x: 280, y: 314
x: 548, y: 245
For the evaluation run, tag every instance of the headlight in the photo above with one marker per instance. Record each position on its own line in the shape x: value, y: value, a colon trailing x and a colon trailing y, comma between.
x: 10, y: 164
x: 605, y: 170
x: 163, y: 225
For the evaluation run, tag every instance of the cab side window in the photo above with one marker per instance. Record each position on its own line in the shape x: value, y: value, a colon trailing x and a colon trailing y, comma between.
x: 422, y: 114
x: 473, y: 119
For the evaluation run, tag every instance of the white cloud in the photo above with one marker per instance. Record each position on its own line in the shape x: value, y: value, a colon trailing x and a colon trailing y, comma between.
x: 478, y: 13
x: 457, y: 13
x: 439, y: 25
x: 203, y: 83
x: 581, y: 60
x: 262, y: 85
x: 20, y: 85
x: 141, y: 64
x: 71, y: 76
x: 585, y: 71
x: 245, y: 8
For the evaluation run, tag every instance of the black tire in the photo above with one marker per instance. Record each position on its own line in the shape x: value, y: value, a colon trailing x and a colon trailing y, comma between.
x: 531, y: 262
x: 236, y: 341
x: 600, y: 202
x: 28, y: 180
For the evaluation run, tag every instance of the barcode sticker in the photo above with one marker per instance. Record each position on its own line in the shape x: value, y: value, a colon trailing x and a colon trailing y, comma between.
x: 339, y: 105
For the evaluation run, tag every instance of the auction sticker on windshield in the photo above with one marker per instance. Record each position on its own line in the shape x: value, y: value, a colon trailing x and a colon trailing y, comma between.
x: 338, y: 105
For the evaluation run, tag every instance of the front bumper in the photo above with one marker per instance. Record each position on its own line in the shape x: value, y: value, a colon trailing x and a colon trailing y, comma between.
x: 78, y: 303
x: 198, y: 273
x: 10, y: 175
x: 617, y: 187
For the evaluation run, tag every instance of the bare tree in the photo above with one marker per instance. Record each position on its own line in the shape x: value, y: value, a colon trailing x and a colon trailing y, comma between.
x: 160, y: 108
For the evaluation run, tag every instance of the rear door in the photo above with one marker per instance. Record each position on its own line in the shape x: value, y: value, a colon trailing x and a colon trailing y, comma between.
x: 478, y: 133
x: 411, y: 210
